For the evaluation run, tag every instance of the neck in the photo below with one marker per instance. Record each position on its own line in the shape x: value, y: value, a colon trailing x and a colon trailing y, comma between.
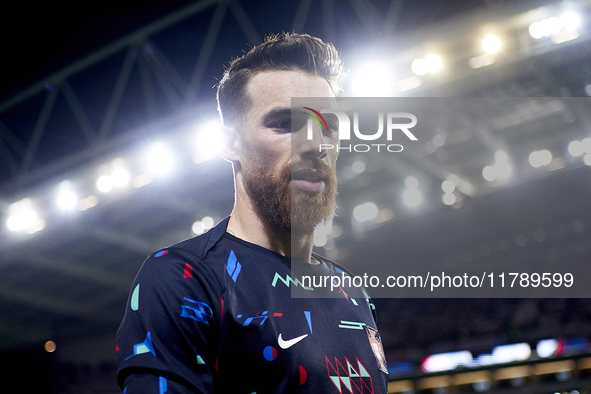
x: 247, y: 223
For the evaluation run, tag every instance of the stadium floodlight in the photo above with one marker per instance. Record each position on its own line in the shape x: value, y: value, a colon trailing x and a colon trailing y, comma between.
x: 575, y: 148
x: 365, y: 212
x: 411, y: 182
x: 540, y: 158
x: 449, y: 198
x: 570, y: 20
x: 104, y: 184
x: 489, y: 173
x: 208, y: 142
x: 491, y: 44
x: 372, y: 80
x: 501, y: 156
x: 207, y: 222
x: 358, y: 166
x: 159, y: 158
x: 503, y: 169
x: 434, y: 63
x: 536, y: 30
x: 66, y: 198
x: 198, y: 227
x: 412, y: 197
x: 22, y: 220
x: 120, y: 177
x: 448, y: 186
x: 22, y: 216
x: 550, y: 26
x: 419, y: 67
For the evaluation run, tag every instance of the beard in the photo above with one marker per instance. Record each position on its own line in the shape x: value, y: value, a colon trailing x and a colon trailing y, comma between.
x: 286, y: 208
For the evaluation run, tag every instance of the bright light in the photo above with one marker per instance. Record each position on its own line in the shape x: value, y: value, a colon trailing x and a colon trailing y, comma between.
x: 503, y: 169
x: 409, y: 83
x: 365, y: 212
x: 159, y: 158
x: 586, y: 144
x: 575, y: 148
x: 448, y: 186
x: 449, y: 199
x: 209, y: 141
x: 550, y: 26
x: 489, y: 173
x: 22, y: 220
x: 570, y: 20
x: 88, y: 202
x: 411, y: 182
x: 547, y: 348
x: 587, y: 159
x: 491, y: 44
x: 104, y: 184
x: 198, y: 228
x: 540, y: 158
x: 67, y: 200
x: 372, y: 80
x: 536, y: 30
x: 120, y: 177
x: 419, y: 67
x: 434, y: 63
x: 50, y: 346
x: 501, y: 155
x: 412, y: 197
x: 486, y: 59
x: 207, y: 222
x: 509, y: 353
x: 446, y: 361
x: 358, y: 166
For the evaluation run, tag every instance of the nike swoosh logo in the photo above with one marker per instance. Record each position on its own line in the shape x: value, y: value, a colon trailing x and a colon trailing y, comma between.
x: 290, y: 342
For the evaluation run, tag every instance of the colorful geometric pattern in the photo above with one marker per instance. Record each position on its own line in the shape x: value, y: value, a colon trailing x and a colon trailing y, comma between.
x: 352, y: 325
x: 270, y: 353
x: 309, y: 319
x: 233, y: 267
x: 288, y: 280
x: 198, y: 314
x: 351, y: 378
x: 163, y: 385
x: 135, y: 298
x: 144, y: 347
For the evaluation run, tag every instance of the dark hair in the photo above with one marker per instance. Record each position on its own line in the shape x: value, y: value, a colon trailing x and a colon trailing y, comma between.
x: 286, y: 51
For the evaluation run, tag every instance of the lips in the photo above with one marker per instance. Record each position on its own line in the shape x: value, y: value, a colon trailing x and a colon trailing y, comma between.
x: 309, y: 180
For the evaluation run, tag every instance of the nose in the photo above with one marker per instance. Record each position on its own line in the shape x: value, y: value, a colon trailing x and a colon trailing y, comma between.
x: 308, y: 142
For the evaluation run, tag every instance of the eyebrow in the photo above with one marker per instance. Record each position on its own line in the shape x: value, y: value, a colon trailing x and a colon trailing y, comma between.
x: 275, y: 114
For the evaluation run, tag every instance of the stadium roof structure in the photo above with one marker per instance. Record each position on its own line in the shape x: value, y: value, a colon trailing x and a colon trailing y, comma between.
x: 65, y: 274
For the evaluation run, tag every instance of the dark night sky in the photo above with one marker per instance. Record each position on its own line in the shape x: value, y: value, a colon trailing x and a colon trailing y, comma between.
x: 41, y: 37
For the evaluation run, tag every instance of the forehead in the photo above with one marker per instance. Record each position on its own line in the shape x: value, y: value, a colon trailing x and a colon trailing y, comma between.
x: 269, y: 89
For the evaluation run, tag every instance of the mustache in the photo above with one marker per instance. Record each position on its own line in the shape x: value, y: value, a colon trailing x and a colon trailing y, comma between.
x: 317, y: 166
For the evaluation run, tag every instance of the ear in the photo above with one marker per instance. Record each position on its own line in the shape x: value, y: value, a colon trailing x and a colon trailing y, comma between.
x: 230, y: 147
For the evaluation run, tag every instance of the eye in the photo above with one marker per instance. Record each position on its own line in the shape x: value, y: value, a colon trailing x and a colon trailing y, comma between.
x: 333, y: 128
x: 281, y: 125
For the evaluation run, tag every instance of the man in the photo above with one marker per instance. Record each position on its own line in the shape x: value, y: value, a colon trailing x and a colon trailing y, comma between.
x: 215, y: 313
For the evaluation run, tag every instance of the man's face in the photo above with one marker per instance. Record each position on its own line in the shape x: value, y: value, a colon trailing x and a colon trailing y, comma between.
x: 291, y: 182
